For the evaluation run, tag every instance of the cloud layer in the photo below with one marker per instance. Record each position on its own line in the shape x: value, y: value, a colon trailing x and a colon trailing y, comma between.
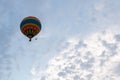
x: 94, y: 58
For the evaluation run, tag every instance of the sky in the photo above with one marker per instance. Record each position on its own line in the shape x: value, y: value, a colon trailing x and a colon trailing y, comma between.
x: 79, y: 40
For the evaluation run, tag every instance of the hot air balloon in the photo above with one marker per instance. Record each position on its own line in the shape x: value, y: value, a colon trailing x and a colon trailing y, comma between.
x: 30, y: 26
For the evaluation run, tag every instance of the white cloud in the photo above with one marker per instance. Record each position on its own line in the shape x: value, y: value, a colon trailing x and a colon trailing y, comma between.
x: 100, y: 5
x: 94, y: 58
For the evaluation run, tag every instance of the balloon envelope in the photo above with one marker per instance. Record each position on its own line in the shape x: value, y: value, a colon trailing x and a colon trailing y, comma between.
x: 30, y: 26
